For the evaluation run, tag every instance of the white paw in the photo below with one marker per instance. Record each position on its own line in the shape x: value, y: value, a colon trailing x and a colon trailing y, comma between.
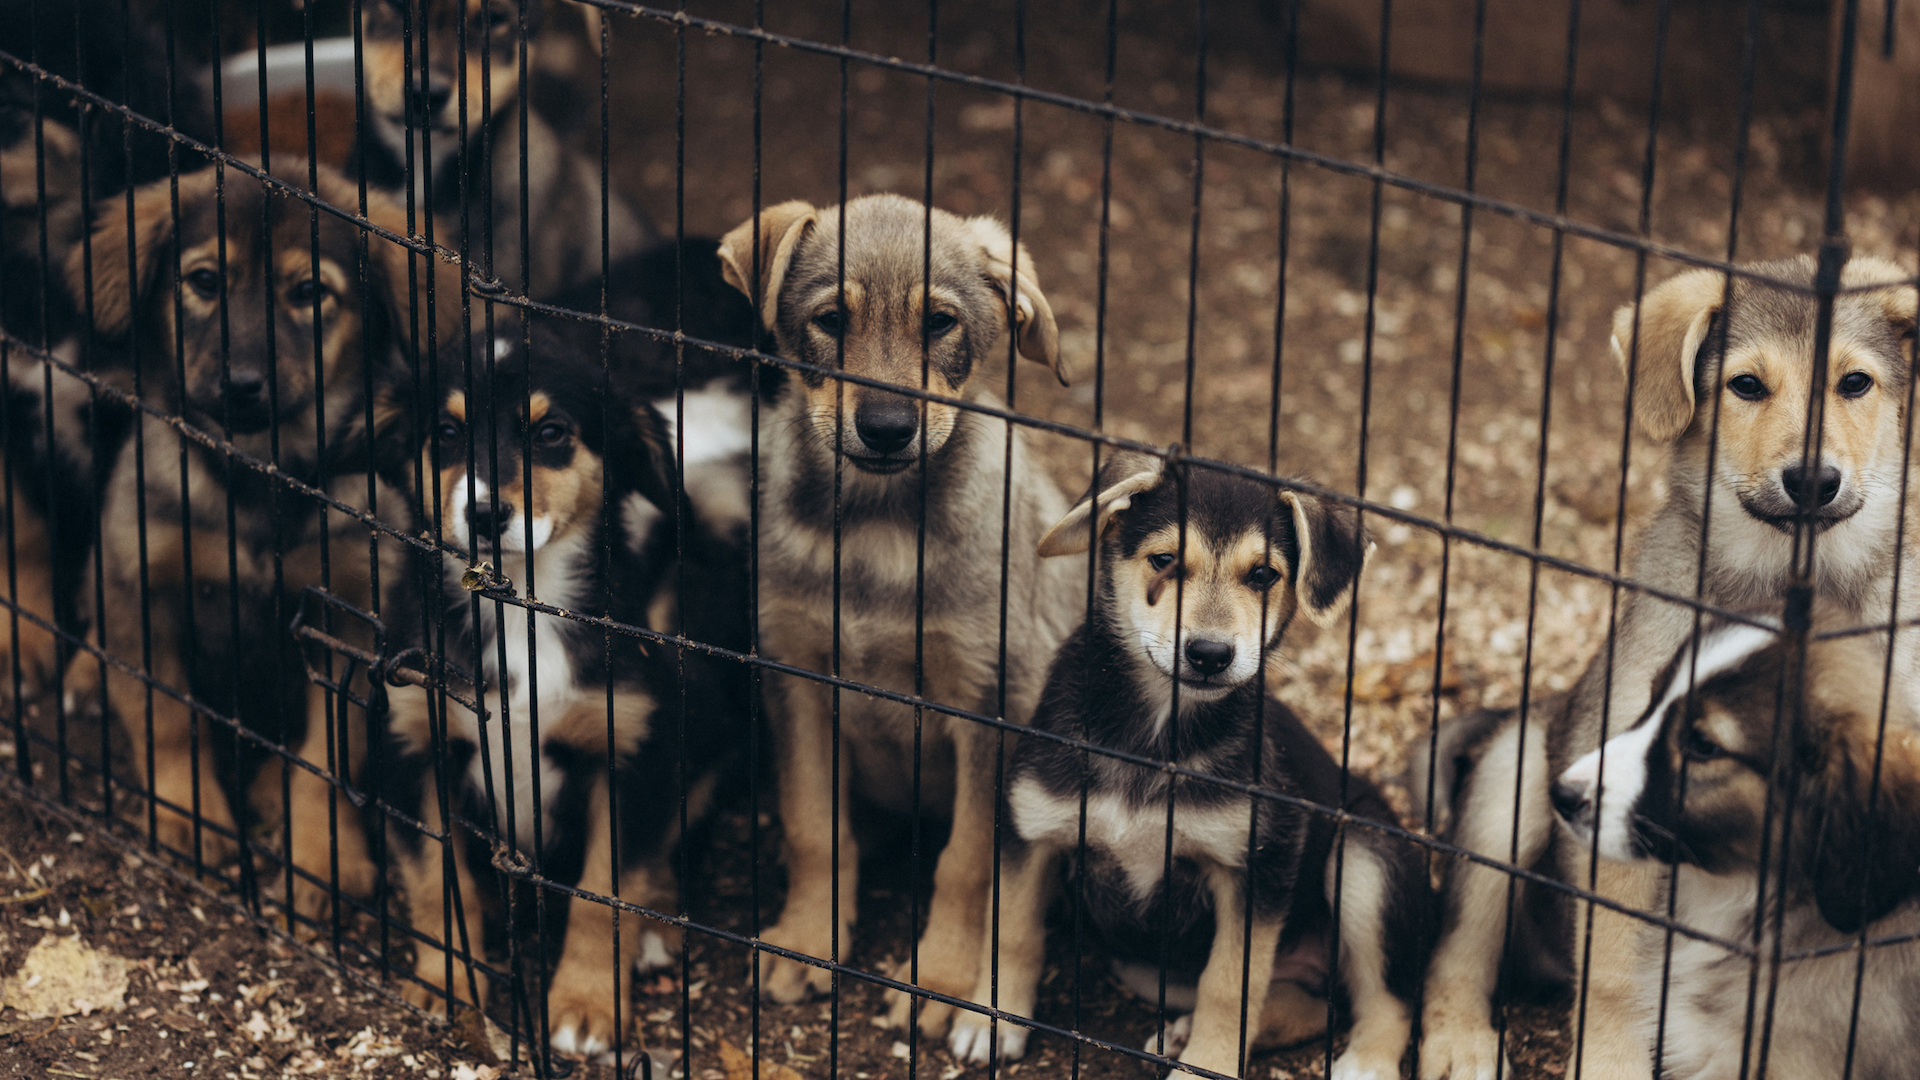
x: 1172, y: 1038
x: 1459, y: 1050
x: 973, y: 1039
x: 1346, y: 1067
x: 567, y: 1039
x: 653, y: 953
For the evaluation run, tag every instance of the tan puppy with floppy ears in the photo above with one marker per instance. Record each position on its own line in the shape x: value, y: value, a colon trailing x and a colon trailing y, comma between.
x: 827, y: 442
x: 1750, y: 384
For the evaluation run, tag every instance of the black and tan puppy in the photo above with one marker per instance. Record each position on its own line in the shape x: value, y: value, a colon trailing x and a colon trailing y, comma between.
x: 1168, y: 666
x: 828, y: 442
x: 265, y: 340
x: 1726, y: 376
x: 1705, y: 782
x: 536, y: 469
x: 433, y: 96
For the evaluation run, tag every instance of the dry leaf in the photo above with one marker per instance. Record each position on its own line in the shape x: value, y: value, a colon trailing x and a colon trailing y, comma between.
x: 740, y: 1067
x: 63, y: 975
x: 1379, y: 682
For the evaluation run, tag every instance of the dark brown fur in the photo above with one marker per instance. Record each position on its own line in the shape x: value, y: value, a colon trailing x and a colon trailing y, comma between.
x: 227, y: 338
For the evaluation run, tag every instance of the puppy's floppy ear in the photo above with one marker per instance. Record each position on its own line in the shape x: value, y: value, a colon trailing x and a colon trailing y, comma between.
x: 121, y: 279
x: 1897, y: 298
x: 781, y: 230
x: 1863, y: 864
x: 1035, y: 333
x: 401, y: 276
x: 1125, y: 475
x: 638, y: 446
x: 1674, y: 321
x: 1332, y: 547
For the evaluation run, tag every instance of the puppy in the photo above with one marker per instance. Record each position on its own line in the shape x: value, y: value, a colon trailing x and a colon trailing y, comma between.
x: 678, y: 285
x: 594, y: 533
x: 1749, y: 797
x: 851, y: 458
x: 1746, y: 366
x: 53, y: 169
x: 204, y: 559
x: 1190, y: 615
x: 421, y: 100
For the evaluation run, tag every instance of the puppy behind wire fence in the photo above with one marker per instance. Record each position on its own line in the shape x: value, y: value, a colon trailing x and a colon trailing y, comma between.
x: 419, y: 532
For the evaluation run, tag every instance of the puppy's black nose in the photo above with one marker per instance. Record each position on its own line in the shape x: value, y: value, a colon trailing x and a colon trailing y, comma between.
x: 886, y: 426
x: 1567, y: 799
x: 427, y: 103
x: 488, y: 518
x: 1209, y: 657
x: 245, y: 388
x: 1797, y: 484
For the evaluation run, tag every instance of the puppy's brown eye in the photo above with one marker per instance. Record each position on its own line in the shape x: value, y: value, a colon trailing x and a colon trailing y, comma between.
x: 1262, y: 577
x: 1160, y: 560
x: 830, y: 322
x: 448, y: 432
x: 1855, y: 383
x: 940, y: 322
x: 205, y: 282
x: 306, y: 292
x: 1748, y: 387
x: 551, y: 434
x: 1700, y: 746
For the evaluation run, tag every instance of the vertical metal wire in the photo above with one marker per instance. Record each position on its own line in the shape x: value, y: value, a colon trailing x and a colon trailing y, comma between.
x: 914, y: 824
x: 1006, y: 526
x: 839, y: 485
x: 755, y: 683
x: 1102, y: 266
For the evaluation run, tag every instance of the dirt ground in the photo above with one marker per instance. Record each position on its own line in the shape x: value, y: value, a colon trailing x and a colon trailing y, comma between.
x: 1296, y: 395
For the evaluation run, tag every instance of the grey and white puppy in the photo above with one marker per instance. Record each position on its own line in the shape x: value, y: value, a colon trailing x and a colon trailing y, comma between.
x: 848, y: 456
x: 1706, y: 782
x: 1705, y: 358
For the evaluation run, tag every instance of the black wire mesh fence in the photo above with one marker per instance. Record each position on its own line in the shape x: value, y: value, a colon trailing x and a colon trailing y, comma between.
x: 495, y: 489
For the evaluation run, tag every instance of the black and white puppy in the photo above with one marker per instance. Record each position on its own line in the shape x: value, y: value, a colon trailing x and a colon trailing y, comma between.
x: 1168, y: 667
x: 1726, y: 780
x: 569, y: 492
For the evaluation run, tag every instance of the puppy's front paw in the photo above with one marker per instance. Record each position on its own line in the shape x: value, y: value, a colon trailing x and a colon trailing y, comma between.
x: 975, y: 1041
x: 786, y: 981
x: 1172, y: 1038
x: 935, y: 1016
x: 654, y: 953
x: 583, y: 1022
x: 1348, y: 1067
x: 1454, y: 1049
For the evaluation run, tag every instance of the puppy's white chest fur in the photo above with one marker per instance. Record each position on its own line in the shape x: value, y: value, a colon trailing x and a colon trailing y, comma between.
x: 539, y: 687
x: 1132, y: 834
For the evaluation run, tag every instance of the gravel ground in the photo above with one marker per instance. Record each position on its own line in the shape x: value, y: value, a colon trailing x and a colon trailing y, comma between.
x: 1532, y: 365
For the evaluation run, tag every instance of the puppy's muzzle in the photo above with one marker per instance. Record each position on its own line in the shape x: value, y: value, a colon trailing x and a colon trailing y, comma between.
x: 886, y: 430
x: 487, y: 519
x: 425, y: 105
x: 243, y: 404
x: 1810, y: 487
x: 1821, y: 492
x: 1574, y: 803
x: 1207, y: 658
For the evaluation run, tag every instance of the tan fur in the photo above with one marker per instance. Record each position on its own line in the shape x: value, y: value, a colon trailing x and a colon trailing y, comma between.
x: 1221, y: 1015
x: 786, y: 262
x: 778, y: 230
x: 1685, y: 393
